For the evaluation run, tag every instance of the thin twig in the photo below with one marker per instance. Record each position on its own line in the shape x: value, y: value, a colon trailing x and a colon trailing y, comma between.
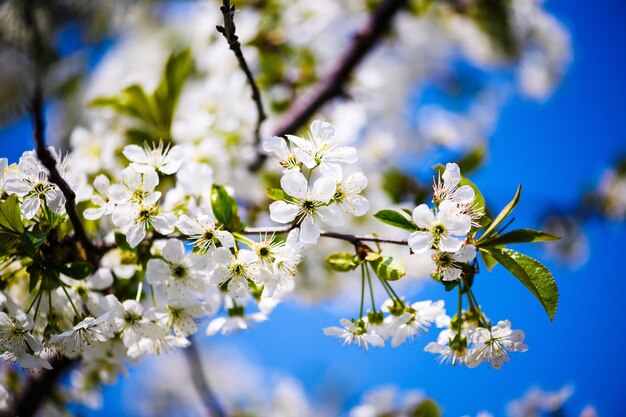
x: 212, y: 405
x: 43, y: 153
x: 333, y: 83
x: 354, y: 239
x: 228, y: 30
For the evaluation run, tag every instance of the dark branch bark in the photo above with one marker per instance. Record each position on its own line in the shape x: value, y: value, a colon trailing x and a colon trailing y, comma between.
x: 39, y: 125
x: 207, y: 396
x: 38, y: 389
x: 333, y: 83
x: 354, y: 239
x: 228, y: 30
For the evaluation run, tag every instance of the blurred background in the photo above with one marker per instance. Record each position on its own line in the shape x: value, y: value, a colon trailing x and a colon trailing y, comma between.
x: 564, y: 142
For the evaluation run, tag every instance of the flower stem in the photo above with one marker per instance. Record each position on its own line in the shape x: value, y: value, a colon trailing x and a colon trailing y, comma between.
x: 362, y: 290
x: 369, y: 282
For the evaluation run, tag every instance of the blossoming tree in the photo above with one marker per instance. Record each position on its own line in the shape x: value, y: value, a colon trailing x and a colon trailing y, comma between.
x: 186, y: 206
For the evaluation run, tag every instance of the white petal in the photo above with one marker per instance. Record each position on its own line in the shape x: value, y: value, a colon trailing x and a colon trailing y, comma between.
x: 420, y: 242
x: 452, y: 175
x: 449, y: 243
x: 282, y: 212
x: 423, y: 216
x: 135, y: 153
x: 324, y: 189
x: 174, y: 251
x: 294, y: 184
x: 135, y: 234
x: 309, y: 230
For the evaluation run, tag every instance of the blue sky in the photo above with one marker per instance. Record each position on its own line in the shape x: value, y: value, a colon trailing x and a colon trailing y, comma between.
x: 556, y: 150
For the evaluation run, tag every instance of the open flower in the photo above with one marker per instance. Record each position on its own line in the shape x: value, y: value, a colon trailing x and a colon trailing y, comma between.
x: 205, y: 233
x: 31, y: 183
x: 137, y: 187
x: 323, y: 150
x: 418, y: 317
x: 178, y: 275
x: 84, y: 335
x: 348, y: 195
x: 449, y: 265
x: 355, y: 332
x: 157, y: 157
x: 447, y: 229
x: 307, y: 205
x: 492, y: 345
x: 137, y: 218
x: 235, y: 271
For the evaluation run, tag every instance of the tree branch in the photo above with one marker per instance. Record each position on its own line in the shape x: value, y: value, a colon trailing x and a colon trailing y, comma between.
x: 332, y: 85
x: 38, y: 389
x: 228, y: 30
x: 43, y: 154
x: 212, y: 405
x: 354, y: 239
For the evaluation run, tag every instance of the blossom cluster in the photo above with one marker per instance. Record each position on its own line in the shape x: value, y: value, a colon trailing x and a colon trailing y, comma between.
x: 442, y: 232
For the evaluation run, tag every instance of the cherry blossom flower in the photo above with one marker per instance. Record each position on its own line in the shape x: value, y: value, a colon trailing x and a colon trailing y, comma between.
x: 323, y: 150
x: 205, y: 233
x: 178, y: 275
x: 447, y: 229
x: 492, y: 345
x: 307, y: 205
x: 84, y: 335
x: 357, y: 333
x: 156, y: 157
x: 448, y: 265
x: 31, y: 183
x: 137, y: 218
x: 235, y: 270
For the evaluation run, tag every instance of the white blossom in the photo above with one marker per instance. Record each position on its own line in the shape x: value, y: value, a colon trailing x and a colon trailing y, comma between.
x: 307, y: 205
x: 447, y: 229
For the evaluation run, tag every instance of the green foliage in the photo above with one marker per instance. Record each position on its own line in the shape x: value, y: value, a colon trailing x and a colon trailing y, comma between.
x: 225, y: 208
x: 342, y: 261
x: 536, y: 277
x: 494, y: 19
x: 387, y: 268
x: 10, y: 216
x: 276, y: 194
x: 402, y: 187
x: 519, y: 236
x: 472, y: 160
x: 155, y: 111
x: 77, y: 270
x: 396, y: 219
x: 427, y: 408
x: 30, y: 242
x: 11, y: 227
x: 491, y: 229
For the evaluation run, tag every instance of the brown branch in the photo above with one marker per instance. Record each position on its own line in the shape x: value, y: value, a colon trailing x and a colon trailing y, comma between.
x: 38, y: 389
x: 228, y: 30
x: 212, y: 405
x: 354, y: 239
x: 332, y: 85
x: 43, y: 153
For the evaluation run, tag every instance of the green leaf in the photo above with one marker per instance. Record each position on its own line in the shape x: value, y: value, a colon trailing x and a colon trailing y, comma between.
x: 135, y: 98
x: 342, y: 261
x: 520, y: 236
x: 488, y: 260
x: 10, y: 216
x: 501, y: 216
x: 388, y: 268
x: 396, y: 219
x: 77, y: 270
x: 472, y: 160
x: 276, y: 194
x: 34, y: 275
x: 30, y: 242
x: 427, y: 408
x: 536, y: 277
x: 224, y: 207
x: 177, y: 69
